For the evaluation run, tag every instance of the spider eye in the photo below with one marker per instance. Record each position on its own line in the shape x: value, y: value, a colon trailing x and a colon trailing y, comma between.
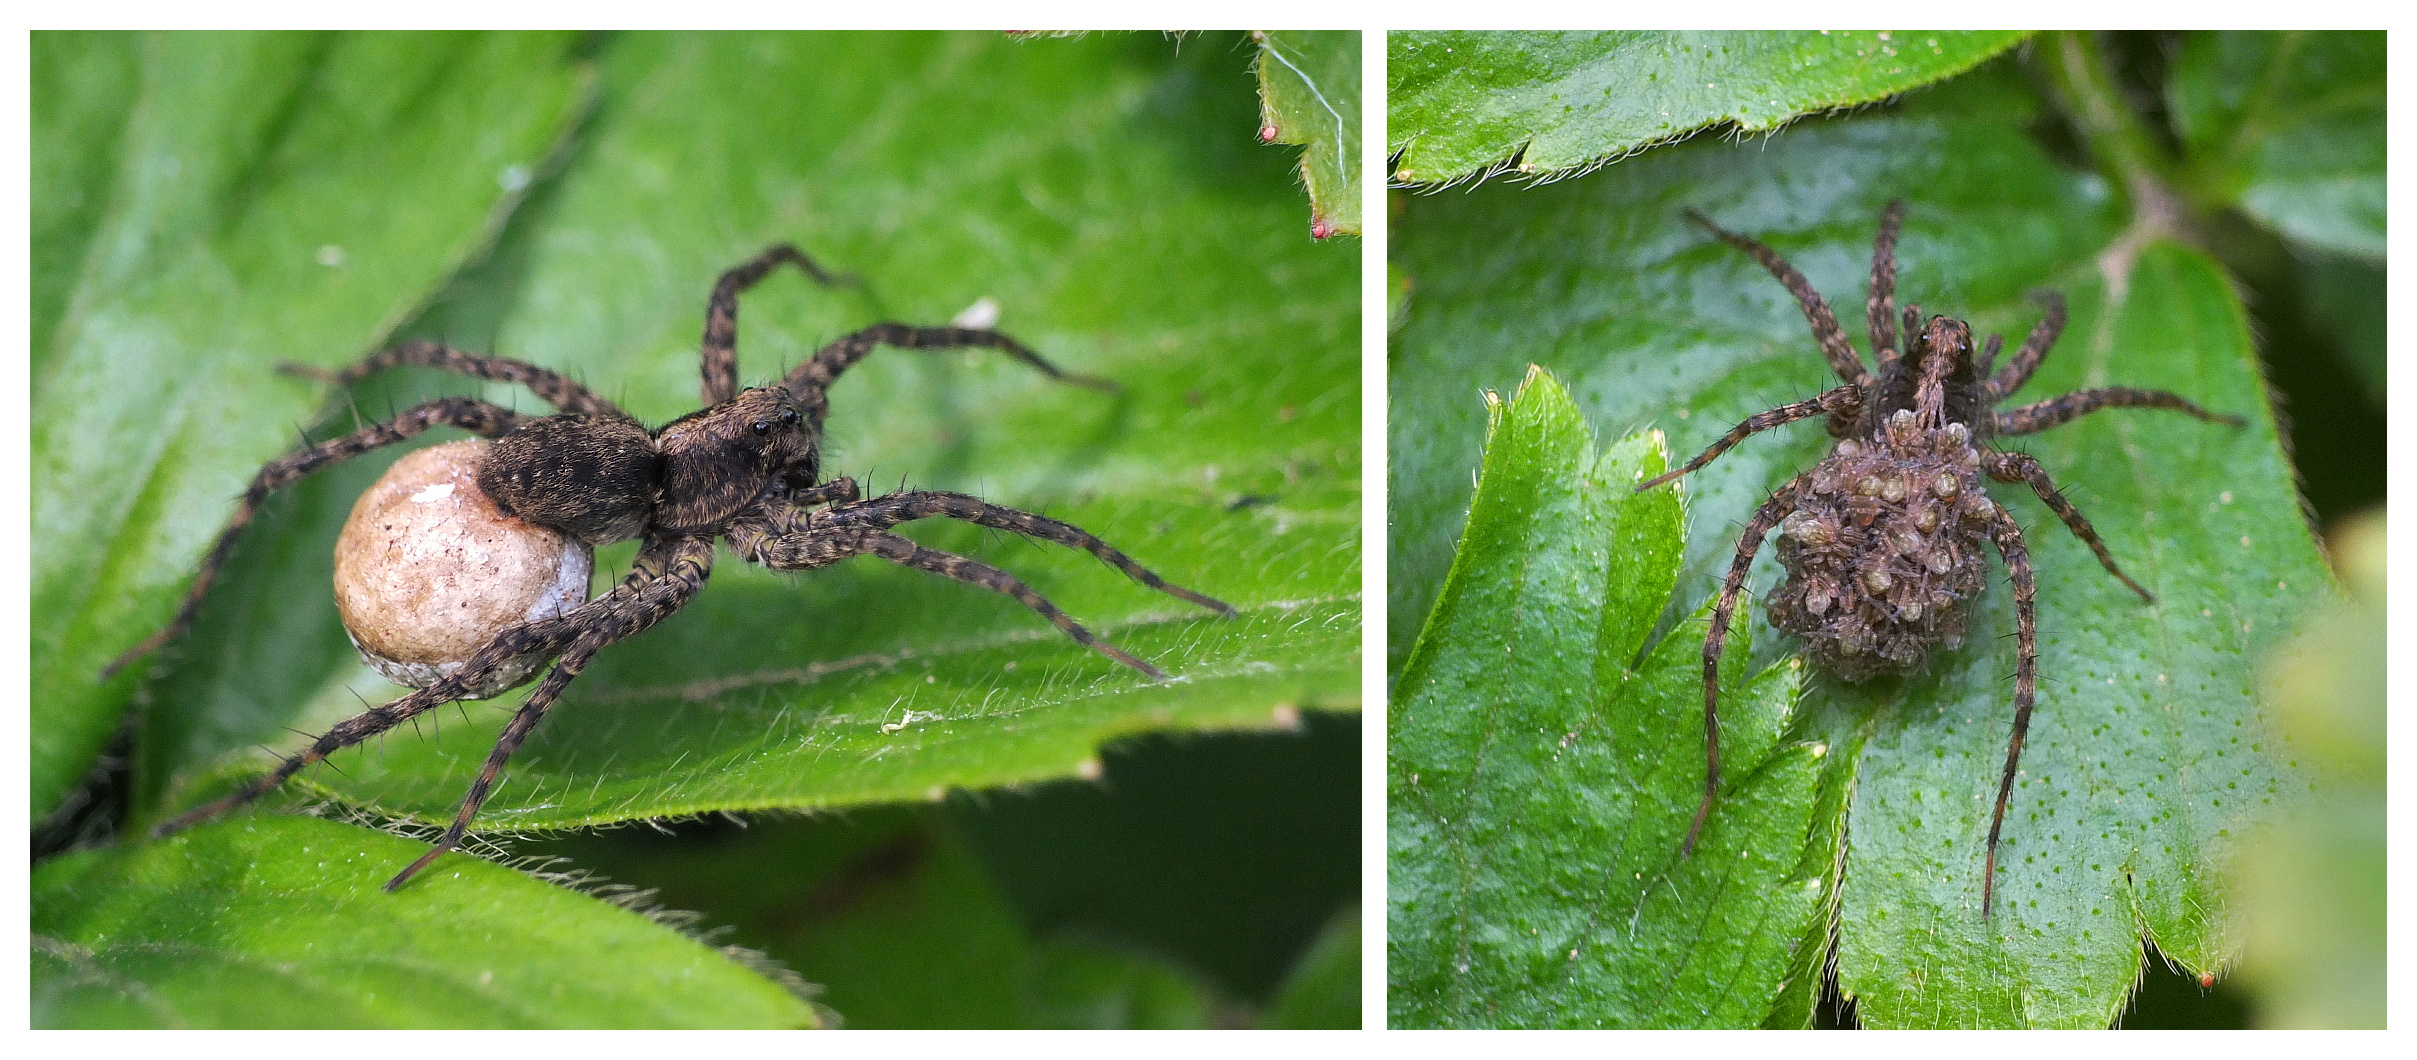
x: 762, y: 427
x: 789, y: 416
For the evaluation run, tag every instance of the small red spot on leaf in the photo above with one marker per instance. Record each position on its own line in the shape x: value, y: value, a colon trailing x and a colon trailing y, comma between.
x: 1320, y: 228
x: 2206, y: 979
x: 1267, y: 134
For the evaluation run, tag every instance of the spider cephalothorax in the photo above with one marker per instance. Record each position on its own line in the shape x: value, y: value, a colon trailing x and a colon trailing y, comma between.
x: 746, y: 468
x: 1882, y: 540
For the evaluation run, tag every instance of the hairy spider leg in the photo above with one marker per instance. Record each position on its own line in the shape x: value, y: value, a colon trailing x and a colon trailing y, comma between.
x: 2041, y: 415
x: 889, y: 510
x: 1986, y: 364
x: 1881, y: 308
x: 2035, y: 349
x: 721, y: 344
x: 2009, y: 539
x: 477, y: 417
x: 552, y: 387
x: 810, y: 381
x: 669, y: 573
x: 785, y: 542
x: 1834, y: 346
x: 1772, y: 511
x: 1845, y: 398
x: 546, y: 636
x: 2021, y: 467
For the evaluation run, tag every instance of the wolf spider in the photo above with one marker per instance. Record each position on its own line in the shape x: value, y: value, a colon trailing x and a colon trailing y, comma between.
x: 1882, y: 540
x: 746, y: 468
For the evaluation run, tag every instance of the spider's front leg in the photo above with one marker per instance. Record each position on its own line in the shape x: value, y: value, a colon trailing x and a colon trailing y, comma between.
x: 811, y: 381
x: 1834, y: 346
x: 889, y: 510
x: 477, y: 417
x: 720, y: 348
x: 785, y: 537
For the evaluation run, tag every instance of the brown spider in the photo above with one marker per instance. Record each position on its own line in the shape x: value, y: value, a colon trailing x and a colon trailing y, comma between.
x: 1882, y: 540
x: 745, y: 468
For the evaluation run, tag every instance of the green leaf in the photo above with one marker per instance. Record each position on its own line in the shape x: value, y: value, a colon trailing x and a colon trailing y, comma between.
x: 1469, y: 104
x: 2290, y: 128
x: 893, y: 908
x: 1323, y: 991
x: 1086, y: 191
x: 279, y: 922
x: 1309, y: 93
x: 206, y: 205
x: 1542, y: 778
x: 2146, y: 759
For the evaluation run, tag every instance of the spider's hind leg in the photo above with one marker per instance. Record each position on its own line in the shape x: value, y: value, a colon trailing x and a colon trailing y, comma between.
x: 2009, y: 538
x: 553, y: 387
x: 477, y: 417
x: 1772, y: 511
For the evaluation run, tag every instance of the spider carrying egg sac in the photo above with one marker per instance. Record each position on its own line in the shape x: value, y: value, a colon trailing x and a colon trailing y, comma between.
x: 428, y: 570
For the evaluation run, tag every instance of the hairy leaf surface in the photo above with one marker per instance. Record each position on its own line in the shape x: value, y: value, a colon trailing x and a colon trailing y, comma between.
x: 278, y: 921
x: 205, y: 206
x: 1467, y: 103
x: 1309, y: 93
x: 1105, y: 223
x: 2146, y: 759
x: 1541, y: 781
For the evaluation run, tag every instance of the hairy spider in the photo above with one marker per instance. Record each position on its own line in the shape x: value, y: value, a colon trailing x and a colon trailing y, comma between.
x: 1882, y: 540
x: 746, y: 468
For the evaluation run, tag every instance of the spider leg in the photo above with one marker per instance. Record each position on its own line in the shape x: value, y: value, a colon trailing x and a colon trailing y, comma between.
x: 1881, y: 309
x: 665, y: 577
x: 2016, y: 372
x: 1987, y: 362
x: 777, y: 542
x: 887, y: 511
x: 1834, y: 346
x: 1765, y: 517
x: 670, y: 572
x: 809, y: 380
x: 720, y: 354
x: 477, y: 417
x: 554, y: 387
x: 2041, y: 415
x: 2026, y: 679
x: 2020, y: 467
x: 1837, y: 400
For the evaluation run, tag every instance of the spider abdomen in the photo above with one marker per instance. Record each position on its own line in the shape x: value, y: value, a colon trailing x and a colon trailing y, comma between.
x: 1883, y: 551
x: 593, y: 477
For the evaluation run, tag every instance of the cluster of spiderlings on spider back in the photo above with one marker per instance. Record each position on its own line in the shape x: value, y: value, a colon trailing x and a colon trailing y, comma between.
x: 1884, y: 550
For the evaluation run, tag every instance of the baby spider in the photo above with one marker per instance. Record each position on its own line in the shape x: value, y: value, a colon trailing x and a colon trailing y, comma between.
x: 1882, y: 540
x: 746, y: 468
